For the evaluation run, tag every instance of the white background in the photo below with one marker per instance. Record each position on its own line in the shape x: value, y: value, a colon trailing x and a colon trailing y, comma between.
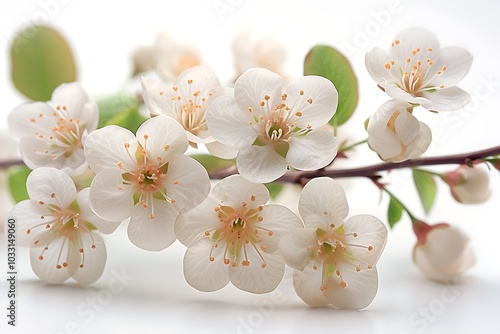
x: 157, y: 299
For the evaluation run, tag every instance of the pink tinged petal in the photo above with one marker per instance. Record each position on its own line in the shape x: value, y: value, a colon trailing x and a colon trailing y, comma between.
x: 411, y: 39
x: 162, y: 136
x: 457, y: 61
x: 261, y: 275
x: 107, y: 148
x: 261, y: 164
x: 87, y: 215
x: 25, y: 120
x: 202, y: 272
x: 277, y: 219
x: 89, y: 263
x: 158, y: 96
x: 31, y: 225
x: 296, y: 245
x: 152, y: 228
x: 51, y: 186
x: 192, y: 225
x: 72, y: 96
x: 424, y: 141
x: 323, y: 202
x: 46, y: 261
x: 315, y: 98
x: 187, y: 182
x: 110, y: 199
x: 375, y: 61
x: 308, y: 283
x: 313, y: 150
x: 365, y: 238
x: 452, y: 98
x: 235, y: 190
x: 226, y: 124
x: 251, y: 88
x: 221, y: 151
x: 360, y: 289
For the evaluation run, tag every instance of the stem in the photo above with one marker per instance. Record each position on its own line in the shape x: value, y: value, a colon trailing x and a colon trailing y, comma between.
x: 371, y: 171
x: 350, y: 147
x: 9, y: 163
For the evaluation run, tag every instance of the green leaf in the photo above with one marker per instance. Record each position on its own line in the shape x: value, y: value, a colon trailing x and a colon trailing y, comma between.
x: 394, y: 212
x: 16, y: 182
x: 274, y: 188
x: 327, y: 62
x: 426, y: 187
x: 211, y: 163
x: 121, y: 110
x: 41, y: 61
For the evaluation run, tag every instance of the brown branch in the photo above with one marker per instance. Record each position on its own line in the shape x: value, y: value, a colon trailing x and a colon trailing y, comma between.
x: 9, y: 163
x: 371, y: 171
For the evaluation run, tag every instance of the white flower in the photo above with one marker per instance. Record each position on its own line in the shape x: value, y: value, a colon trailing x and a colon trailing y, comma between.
x: 443, y: 252
x: 52, y: 134
x: 250, y: 52
x: 9, y: 151
x: 167, y: 56
x: 334, y: 261
x: 416, y: 70
x: 469, y: 185
x: 273, y: 129
x: 233, y: 236
x: 61, y: 229
x: 147, y: 178
x: 187, y: 100
x: 395, y: 134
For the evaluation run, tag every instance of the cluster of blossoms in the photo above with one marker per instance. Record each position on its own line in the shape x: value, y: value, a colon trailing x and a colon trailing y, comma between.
x: 231, y: 232
x: 416, y: 71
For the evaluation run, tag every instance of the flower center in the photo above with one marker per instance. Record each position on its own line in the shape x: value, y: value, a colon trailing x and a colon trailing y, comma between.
x: 240, y: 231
x: 61, y: 133
x: 416, y: 75
x: 332, y: 248
x: 190, y: 109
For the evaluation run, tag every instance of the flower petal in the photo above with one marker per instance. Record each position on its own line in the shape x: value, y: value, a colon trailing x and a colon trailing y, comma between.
x: 110, y: 199
x: 162, y: 136
x: 199, y: 82
x: 261, y: 164
x: 424, y: 141
x: 25, y: 120
x: 153, y: 234
x: 312, y: 151
x: 226, y: 124
x: 87, y: 215
x: 322, y: 197
x: 221, y: 151
x: 457, y: 61
x: 411, y: 39
x: 72, y: 96
x: 93, y: 258
x: 201, y: 273
x: 51, y: 186
x: 370, y: 231
x: 257, y: 277
x: 307, y: 284
x: 192, y: 225
x: 452, y: 98
x: 375, y: 61
x: 187, y: 182
x: 45, y: 260
x: 253, y: 85
x: 315, y: 97
x: 277, y: 219
x: 31, y: 226
x: 158, y: 96
x: 105, y: 148
x: 293, y: 246
x: 360, y: 291
x: 234, y: 190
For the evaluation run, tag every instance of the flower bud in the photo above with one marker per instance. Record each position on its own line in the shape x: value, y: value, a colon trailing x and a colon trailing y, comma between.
x: 395, y: 134
x: 468, y: 185
x: 442, y: 251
